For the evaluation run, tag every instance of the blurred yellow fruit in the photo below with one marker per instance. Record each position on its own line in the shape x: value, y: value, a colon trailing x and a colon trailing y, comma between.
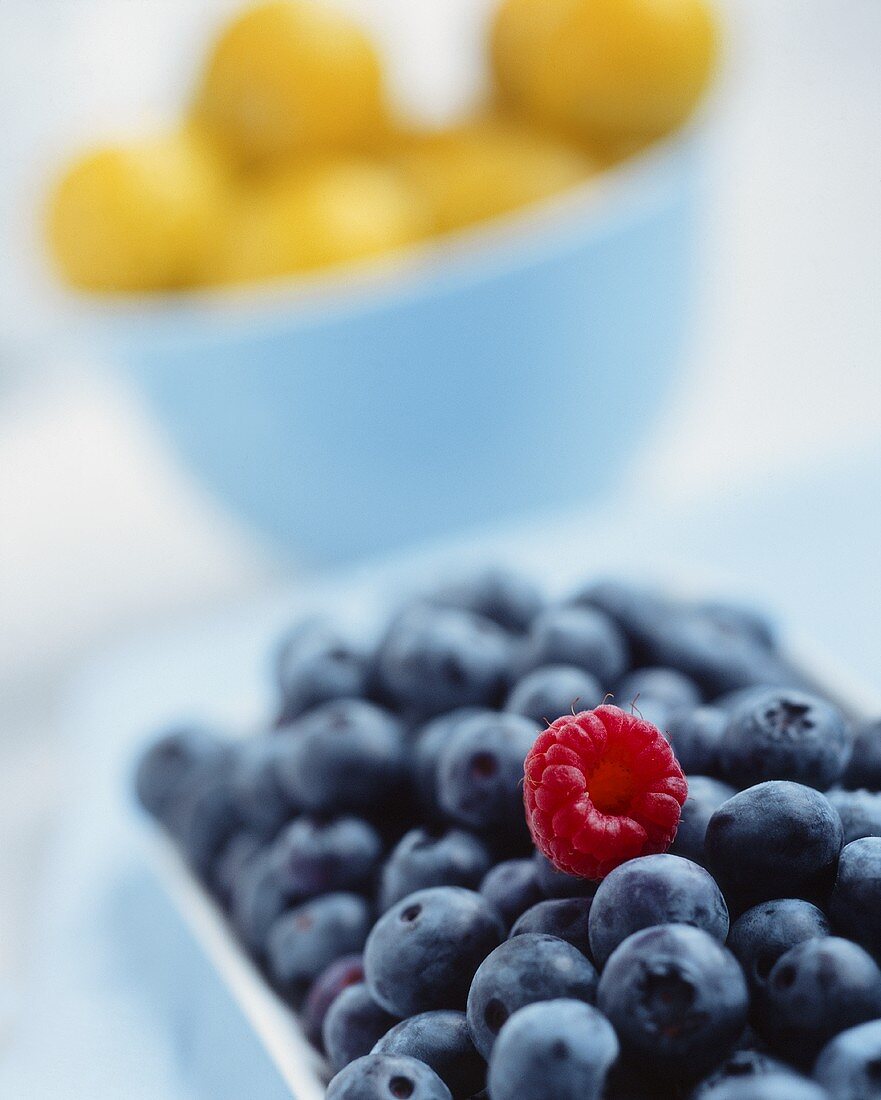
x: 138, y: 216
x: 317, y: 216
x: 604, y: 69
x: 290, y: 76
x: 490, y: 167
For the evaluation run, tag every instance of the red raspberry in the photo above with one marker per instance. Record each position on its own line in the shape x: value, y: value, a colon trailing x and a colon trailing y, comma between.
x: 602, y: 787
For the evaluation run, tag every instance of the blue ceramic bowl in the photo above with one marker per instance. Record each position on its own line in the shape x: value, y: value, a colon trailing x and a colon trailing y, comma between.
x: 509, y: 370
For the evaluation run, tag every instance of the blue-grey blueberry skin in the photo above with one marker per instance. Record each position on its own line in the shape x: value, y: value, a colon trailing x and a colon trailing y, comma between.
x: 259, y: 896
x: 781, y: 1085
x: 441, y: 1040
x: 525, y: 969
x: 742, y: 1066
x: 511, y: 887
x: 172, y: 764
x: 546, y: 693
x: 422, y: 953
x: 557, y: 884
x: 860, y: 812
x: 348, y: 757
x: 264, y: 805
x: 304, y: 940
x: 658, y: 889
x: 319, y: 856
x: 385, y: 1077
x: 565, y: 918
x: 230, y: 864
x: 695, y: 736
x: 205, y: 816
x: 705, y: 796
x: 339, y: 975
x: 762, y: 934
x: 855, y: 905
x: 676, y: 998
x: 506, y: 597
x: 777, y: 839
x: 426, y: 748
x: 785, y: 734
x: 560, y: 1048
x: 849, y: 1066
x: 480, y: 772
x: 864, y: 767
x: 422, y: 859
x: 353, y: 1025
x: 315, y: 663
x: 817, y: 989
x: 657, y: 693
x: 579, y: 636
x: 436, y: 659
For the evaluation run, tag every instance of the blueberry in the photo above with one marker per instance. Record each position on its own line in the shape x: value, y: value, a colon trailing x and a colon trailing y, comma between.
x: 315, y: 664
x: 511, y: 887
x: 739, y: 619
x: 318, y: 856
x: 578, y: 636
x: 860, y: 812
x: 427, y: 747
x: 716, y: 657
x: 205, y: 815
x: 560, y: 1048
x: 263, y: 804
x: 480, y: 772
x: 659, y: 889
x: 422, y: 859
x: 230, y: 864
x: 705, y: 796
x: 657, y: 694
x: 696, y: 736
x: 849, y: 1066
x: 259, y: 896
x: 557, y: 884
x: 506, y: 597
x: 638, y: 612
x: 784, y: 734
x: 676, y: 998
x: 815, y: 990
x: 353, y: 1025
x: 780, y: 1085
x: 741, y: 1066
x: 855, y: 906
x: 435, y: 659
x: 864, y: 767
x: 439, y: 1039
x: 387, y: 1077
x: 339, y: 975
x: 547, y: 692
x: 348, y: 757
x: 774, y: 840
x: 306, y: 939
x: 762, y: 934
x: 565, y: 918
x: 169, y: 767
x: 525, y: 969
x: 422, y: 953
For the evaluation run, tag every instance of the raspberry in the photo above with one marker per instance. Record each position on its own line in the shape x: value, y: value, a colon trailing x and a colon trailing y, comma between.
x: 602, y: 787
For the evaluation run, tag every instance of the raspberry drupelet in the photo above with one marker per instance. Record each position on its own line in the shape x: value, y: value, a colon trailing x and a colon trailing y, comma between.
x: 602, y: 787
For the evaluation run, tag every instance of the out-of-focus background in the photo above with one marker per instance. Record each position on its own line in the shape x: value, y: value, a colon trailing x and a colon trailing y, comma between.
x: 775, y: 414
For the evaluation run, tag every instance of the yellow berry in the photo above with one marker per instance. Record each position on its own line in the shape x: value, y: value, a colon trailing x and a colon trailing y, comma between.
x: 604, y: 69
x: 139, y: 216
x: 489, y: 167
x: 291, y: 76
x: 316, y: 216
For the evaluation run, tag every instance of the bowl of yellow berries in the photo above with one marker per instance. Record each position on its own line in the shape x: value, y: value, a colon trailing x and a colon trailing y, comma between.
x: 361, y: 332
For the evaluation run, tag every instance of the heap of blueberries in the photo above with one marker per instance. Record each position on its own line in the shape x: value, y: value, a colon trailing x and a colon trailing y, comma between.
x: 372, y: 855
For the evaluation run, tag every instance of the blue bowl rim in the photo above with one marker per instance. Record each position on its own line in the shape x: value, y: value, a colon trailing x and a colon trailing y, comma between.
x: 588, y: 212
